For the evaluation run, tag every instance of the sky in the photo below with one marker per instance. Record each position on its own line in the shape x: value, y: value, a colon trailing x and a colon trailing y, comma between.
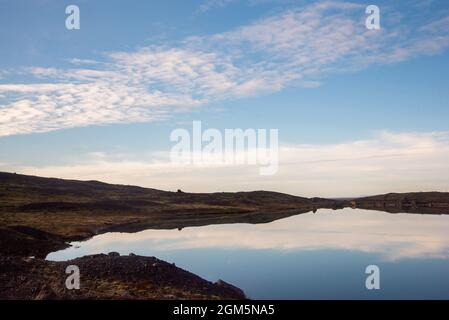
x: 358, y: 111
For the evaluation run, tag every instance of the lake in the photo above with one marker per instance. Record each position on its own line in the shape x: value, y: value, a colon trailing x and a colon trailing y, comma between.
x: 320, y: 255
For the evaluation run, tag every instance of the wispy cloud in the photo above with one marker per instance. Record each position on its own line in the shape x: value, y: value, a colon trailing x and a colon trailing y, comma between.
x: 297, y: 47
x: 77, y: 61
x: 346, y: 169
x: 208, y: 5
x: 211, y: 4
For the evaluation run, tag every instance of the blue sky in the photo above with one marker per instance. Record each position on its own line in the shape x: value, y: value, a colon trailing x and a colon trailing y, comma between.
x: 358, y: 111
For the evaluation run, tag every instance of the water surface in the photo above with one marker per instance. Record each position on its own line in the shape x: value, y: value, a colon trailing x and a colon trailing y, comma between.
x: 320, y: 255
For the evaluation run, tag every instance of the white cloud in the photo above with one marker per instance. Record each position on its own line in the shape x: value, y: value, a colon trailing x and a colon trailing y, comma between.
x: 298, y: 47
x: 77, y: 61
x: 50, y: 106
x: 400, y: 162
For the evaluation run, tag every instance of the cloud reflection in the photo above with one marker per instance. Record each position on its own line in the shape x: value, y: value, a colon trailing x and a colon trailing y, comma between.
x: 393, y: 236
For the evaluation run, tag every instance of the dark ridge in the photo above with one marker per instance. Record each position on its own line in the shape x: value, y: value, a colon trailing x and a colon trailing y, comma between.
x: 107, y: 277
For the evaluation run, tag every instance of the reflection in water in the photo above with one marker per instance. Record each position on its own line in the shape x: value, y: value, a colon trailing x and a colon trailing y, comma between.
x: 394, y: 236
x: 281, y: 259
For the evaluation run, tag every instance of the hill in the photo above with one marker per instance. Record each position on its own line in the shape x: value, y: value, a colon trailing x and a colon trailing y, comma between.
x: 40, y: 214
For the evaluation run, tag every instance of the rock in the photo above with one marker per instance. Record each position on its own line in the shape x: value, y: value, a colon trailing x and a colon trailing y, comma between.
x: 114, y: 254
x: 132, y: 254
x: 46, y: 293
x: 230, y: 287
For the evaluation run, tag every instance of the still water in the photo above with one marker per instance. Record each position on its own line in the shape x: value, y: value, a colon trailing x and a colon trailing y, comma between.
x: 320, y: 255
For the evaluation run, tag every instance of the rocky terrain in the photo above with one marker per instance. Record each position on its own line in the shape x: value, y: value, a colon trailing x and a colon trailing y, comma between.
x: 413, y: 202
x: 107, y: 277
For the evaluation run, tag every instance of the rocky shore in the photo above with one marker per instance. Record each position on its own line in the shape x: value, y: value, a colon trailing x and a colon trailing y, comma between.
x: 107, y: 277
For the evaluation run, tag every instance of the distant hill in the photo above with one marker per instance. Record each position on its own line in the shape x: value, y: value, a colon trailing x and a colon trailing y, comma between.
x: 29, y: 193
x: 412, y: 202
